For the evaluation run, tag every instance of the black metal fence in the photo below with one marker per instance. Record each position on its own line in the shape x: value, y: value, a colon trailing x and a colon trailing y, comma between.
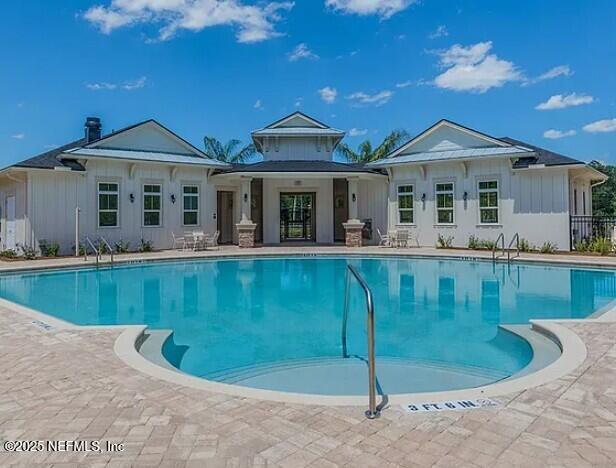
x: 587, y: 228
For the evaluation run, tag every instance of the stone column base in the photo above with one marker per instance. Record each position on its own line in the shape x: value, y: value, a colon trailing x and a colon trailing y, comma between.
x: 353, y: 233
x: 246, y: 235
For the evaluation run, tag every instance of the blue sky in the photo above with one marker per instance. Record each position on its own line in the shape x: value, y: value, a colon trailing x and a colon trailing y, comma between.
x: 544, y: 72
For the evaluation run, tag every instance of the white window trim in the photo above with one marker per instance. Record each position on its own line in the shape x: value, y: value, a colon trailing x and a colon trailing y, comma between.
x: 98, y: 208
x: 198, y: 195
x: 398, y: 209
x: 497, y: 207
x: 453, y: 207
x: 143, y: 210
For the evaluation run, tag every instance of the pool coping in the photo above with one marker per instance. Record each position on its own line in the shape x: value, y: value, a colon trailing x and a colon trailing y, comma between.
x: 126, y: 345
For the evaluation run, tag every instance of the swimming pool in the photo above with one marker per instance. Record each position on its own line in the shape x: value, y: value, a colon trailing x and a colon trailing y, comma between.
x: 275, y: 323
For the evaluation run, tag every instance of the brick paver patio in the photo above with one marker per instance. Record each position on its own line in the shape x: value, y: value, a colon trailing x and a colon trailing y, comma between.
x: 68, y: 384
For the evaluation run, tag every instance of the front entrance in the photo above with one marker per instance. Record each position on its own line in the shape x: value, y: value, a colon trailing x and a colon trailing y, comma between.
x: 224, y: 216
x: 297, y: 217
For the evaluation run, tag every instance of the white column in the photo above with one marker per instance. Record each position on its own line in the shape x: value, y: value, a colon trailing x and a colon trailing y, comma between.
x: 353, y: 198
x: 245, y: 200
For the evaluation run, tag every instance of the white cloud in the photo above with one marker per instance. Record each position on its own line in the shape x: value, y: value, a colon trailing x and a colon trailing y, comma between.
x: 129, y: 85
x: 19, y: 136
x: 302, y: 52
x: 299, y: 101
x: 561, y: 101
x: 553, y: 134
x: 100, y: 86
x: 383, y: 8
x: 441, y: 31
x: 360, y: 98
x: 254, y: 23
x: 354, y: 132
x: 404, y: 84
x: 473, y: 69
x: 561, y: 70
x: 328, y: 94
x: 601, y: 126
x: 134, y: 84
x: 258, y: 104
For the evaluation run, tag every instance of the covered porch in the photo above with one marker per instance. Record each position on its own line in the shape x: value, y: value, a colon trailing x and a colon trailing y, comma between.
x: 265, y: 205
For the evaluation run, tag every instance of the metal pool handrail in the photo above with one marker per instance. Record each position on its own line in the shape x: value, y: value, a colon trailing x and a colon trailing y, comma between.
x: 85, y: 250
x: 515, y: 238
x: 109, y: 248
x: 373, y: 411
x: 501, y: 238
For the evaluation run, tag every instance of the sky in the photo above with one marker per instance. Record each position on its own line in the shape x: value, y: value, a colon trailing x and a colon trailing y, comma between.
x: 538, y: 71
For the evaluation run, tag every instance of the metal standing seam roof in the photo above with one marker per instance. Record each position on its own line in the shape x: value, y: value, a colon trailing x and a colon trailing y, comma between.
x: 451, y: 155
x: 146, y: 156
x: 300, y: 166
x: 290, y: 131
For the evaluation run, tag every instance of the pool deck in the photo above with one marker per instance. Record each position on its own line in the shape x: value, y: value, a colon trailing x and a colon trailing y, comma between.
x: 68, y: 384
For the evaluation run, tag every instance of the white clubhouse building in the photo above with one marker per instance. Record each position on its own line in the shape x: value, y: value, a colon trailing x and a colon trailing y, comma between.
x: 146, y: 182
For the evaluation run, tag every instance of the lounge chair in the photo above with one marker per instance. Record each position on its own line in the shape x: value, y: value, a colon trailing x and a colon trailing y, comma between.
x: 402, y: 238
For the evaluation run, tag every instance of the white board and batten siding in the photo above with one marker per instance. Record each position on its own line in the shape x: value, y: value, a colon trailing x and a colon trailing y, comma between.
x: 534, y: 203
x: 54, y: 197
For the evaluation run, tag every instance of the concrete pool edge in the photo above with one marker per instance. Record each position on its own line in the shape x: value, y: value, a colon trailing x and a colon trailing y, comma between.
x: 573, y: 355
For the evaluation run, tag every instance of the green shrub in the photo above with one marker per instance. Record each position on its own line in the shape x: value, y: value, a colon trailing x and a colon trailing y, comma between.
x: 548, y: 248
x: 8, y: 253
x: 524, y: 245
x: 488, y: 244
x: 601, y: 245
x: 82, y: 250
x: 51, y: 249
x: 581, y: 246
x: 444, y: 242
x: 121, y: 246
x: 28, y: 252
x: 474, y: 242
x: 146, y: 246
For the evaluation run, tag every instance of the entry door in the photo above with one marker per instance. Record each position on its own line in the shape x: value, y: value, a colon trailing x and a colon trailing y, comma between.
x: 224, y: 217
x: 10, y: 222
x: 297, y: 217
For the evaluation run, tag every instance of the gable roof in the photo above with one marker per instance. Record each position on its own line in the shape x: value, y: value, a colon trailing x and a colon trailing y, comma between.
x: 300, y: 115
x: 446, y: 123
x: 67, y: 155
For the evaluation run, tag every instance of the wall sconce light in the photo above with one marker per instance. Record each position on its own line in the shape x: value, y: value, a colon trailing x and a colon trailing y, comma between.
x: 245, y: 197
x: 465, y: 196
x: 423, y: 197
x: 173, y: 198
x: 354, y: 198
x: 131, y: 197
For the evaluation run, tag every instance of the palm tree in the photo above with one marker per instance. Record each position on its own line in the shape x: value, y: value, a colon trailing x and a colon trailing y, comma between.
x: 366, y: 153
x: 228, y: 152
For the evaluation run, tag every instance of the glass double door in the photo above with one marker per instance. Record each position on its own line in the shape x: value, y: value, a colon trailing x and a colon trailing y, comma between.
x: 297, y: 217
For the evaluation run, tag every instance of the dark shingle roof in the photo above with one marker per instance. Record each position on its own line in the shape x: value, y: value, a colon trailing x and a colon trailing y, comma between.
x: 49, y: 159
x: 299, y: 166
x: 543, y: 156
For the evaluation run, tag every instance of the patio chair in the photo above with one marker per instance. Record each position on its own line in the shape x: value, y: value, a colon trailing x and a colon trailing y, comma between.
x: 189, y: 241
x: 384, y: 240
x: 178, y: 241
x: 402, y: 238
x: 212, y: 241
x: 198, y: 240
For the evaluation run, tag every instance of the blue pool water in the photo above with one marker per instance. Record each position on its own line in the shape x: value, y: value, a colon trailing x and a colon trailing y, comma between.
x: 276, y: 323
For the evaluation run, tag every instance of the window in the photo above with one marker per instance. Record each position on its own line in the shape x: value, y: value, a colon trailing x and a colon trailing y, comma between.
x: 488, y: 202
x: 575, y: 211
x: 151, y: 205
x: 405, y: 204
x: 444, y: 203
x: 108, y: 196
x: 190, y: 194
x: 584, y: 202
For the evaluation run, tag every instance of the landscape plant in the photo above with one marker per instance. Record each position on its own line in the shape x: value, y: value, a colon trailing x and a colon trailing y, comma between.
x: 121, y: 246
x: 146, y: 246
x: 474, y: 242
x: 548, y: 248
x: 444, y: 242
